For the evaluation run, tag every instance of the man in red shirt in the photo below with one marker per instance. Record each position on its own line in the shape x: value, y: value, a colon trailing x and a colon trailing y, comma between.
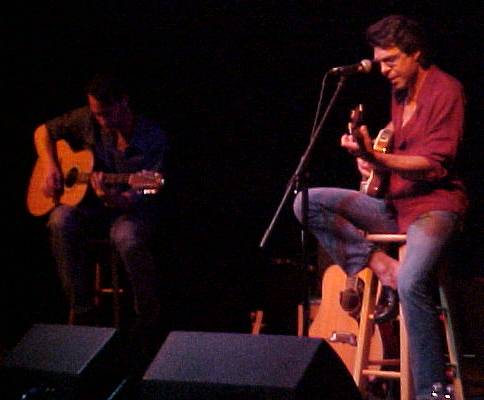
x: 425, y: 198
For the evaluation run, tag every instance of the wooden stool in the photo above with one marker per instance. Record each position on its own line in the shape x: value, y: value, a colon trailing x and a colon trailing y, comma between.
x: 105, y: 255
x: 362, y: 365
x: 362, y: 362
x: 114, y: 290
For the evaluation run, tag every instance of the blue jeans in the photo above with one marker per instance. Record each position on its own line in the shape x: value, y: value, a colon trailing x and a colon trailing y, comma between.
x: 130, y: 233
x: 337, y: 218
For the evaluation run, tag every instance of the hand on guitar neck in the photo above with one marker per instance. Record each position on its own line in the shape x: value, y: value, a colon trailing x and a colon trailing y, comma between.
x: 359, y: 143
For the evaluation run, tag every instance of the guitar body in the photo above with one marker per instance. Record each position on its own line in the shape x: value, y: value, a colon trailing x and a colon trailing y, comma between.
x: 337, y: 326
x: 373, y: 185
x: 76, y: 167
x: 72, y: 164
x: 376, y: 183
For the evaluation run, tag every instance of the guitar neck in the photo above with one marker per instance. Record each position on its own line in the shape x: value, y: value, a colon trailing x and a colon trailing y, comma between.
x: 351, y: 282
x: 110, y: 178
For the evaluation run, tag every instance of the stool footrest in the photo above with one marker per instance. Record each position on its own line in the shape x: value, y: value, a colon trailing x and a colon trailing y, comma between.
x: 381, y: 374
x: 109, y: 290
x: 386, y: 237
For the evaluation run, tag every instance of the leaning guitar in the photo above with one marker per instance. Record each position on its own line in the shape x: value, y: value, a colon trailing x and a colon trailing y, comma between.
x: 337, y: 326
x: 77, y: 168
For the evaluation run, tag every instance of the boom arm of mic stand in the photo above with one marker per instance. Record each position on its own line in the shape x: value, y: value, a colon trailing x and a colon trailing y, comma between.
x: 302, y: 163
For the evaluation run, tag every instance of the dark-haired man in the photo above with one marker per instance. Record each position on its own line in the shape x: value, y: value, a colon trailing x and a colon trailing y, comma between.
x: 425, y: 199
x: 122, y: 142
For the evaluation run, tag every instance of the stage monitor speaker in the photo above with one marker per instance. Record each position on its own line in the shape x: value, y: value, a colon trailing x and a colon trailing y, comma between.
x: 59, y: 361
x: 202, y: 365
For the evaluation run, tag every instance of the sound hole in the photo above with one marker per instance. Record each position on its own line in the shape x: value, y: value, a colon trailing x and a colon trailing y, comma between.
x: 71, y: 177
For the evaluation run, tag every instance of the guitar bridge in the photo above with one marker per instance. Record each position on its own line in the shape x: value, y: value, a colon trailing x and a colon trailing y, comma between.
x: 343, y: 337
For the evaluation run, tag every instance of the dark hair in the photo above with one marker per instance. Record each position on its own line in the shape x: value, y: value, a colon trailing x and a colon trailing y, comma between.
x: 403, y: 32
x: 107, y: 87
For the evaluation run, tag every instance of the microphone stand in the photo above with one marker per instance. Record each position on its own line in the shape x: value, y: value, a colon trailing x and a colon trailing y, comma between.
x: 296, y: 183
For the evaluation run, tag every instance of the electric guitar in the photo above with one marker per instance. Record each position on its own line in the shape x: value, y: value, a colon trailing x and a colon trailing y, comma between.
x: 76, y: 167
x: 375, y: 184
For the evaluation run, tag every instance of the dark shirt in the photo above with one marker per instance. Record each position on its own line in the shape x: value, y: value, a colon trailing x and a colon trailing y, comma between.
x: 434, y: 131
x: 146, y: 150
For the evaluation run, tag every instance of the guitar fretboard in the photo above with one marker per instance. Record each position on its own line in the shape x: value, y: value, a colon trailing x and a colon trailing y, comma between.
x: 111, y: 178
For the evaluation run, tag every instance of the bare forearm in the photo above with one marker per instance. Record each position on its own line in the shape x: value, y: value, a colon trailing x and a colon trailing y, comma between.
x: 410, y: 167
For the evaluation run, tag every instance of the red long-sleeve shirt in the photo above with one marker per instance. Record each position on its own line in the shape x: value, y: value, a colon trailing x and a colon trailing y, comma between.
x: 434, y: 131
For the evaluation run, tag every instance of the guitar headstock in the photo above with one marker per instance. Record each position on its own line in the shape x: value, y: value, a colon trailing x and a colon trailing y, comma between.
x: 356, y: 119
x: 147, y: 182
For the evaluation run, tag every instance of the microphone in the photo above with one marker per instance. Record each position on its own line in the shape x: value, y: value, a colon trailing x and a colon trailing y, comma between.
x: 363, y: 67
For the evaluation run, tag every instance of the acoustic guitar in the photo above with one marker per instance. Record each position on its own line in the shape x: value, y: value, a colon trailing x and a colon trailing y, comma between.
x: 338, y: 327
x: 77, y: 167
x: 375, y: 185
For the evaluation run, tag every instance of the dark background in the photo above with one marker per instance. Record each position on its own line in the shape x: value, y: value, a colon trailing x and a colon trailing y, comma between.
x: 236, y: 84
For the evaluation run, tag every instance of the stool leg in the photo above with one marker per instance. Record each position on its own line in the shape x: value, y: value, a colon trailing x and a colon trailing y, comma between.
x: 300, y: 320
x: 258, y: 316
x: 97, y: 284
x: 451, y: 345
x: 365, y: 328
x: 406, y: 383
x: 115, y: 282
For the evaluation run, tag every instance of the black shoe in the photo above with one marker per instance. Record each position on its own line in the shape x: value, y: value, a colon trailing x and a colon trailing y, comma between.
x: 387, y: 307
x: 350, y: 300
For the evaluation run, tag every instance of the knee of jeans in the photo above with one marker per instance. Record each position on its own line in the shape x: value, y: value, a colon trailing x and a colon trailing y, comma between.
x: 60, y: 217
x: 408, y: 285
x: 297, y: 205
x: 124, y: 236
